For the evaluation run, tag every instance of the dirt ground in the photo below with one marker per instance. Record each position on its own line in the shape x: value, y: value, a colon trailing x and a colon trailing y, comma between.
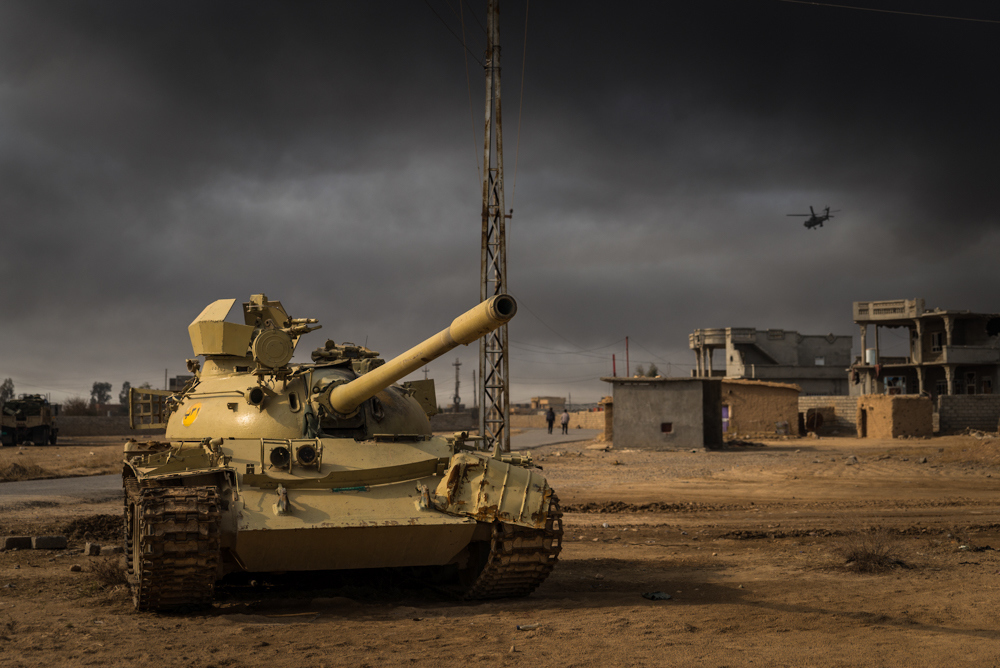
x: 748, y: 542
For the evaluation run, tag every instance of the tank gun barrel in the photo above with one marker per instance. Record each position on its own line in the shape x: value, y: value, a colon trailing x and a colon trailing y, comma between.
x: 466, y: 328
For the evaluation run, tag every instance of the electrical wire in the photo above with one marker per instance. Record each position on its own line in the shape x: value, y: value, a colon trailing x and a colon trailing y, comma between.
x: 555, y: 351
x: 521, y: 302
x: 468, y: 84
x: 889, y: 11
x: 448, y: 28
x: 520, y: 105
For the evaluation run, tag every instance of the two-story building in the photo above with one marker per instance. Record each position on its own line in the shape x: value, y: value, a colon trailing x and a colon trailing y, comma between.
x: 950, y: 352
x: 815, y: 363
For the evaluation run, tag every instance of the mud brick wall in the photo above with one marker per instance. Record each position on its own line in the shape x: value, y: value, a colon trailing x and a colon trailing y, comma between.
x: 878, y: 410
x: 839, y: 412
x: 756, y: 410
x: 464, y: 421
x: 90, y: 425
x: 581, y: 419
x: 894, y: 416
x: 974, y: 411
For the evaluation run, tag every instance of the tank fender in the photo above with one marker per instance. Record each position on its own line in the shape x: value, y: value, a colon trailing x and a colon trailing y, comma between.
x: 487, y: 489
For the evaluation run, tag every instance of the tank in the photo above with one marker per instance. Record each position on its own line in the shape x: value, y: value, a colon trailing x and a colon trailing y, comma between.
x: 29, y: 419
x: 269, y: 466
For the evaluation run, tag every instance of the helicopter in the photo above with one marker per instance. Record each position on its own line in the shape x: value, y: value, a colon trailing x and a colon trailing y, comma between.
x: 814, y: 220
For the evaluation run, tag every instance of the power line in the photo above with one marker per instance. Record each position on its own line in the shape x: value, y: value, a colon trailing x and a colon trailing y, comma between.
x: 889, y: 11
x: 468, y: 85
x: 521, y: 302
x: 481, y: 26
x: 448, y: 28
x: 520, y: 105
x: 556, y: 351
x: 656, y: 357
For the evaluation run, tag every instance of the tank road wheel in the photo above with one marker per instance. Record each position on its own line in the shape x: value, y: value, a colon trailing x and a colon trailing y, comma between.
x: 174, y: 546
x: 516, y: 560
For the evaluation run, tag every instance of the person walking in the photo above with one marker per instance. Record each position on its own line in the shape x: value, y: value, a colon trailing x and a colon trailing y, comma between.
x: 550, y: 417
x: 564, y: 421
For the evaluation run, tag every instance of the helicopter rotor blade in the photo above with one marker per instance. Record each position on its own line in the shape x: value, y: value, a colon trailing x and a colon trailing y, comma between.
x: 797, y: 214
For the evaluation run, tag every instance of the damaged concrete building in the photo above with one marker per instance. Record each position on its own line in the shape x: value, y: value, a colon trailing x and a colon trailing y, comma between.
x: 815, y: 363
x: 948, y: 352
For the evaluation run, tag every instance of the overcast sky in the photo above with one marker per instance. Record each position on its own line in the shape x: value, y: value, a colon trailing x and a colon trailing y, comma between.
x: 157, y: 156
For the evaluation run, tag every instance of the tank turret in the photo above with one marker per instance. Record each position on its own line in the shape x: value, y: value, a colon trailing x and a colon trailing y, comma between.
x: 247, y: 387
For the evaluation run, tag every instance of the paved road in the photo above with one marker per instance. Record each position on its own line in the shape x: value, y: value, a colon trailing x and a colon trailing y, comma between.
x: 105, y: 487
x: 88, y: 488
x: 530, y: 439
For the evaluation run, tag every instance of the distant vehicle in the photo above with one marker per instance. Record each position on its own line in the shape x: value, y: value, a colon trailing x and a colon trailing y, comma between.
x: 814, y: 220
x: 29, y: 418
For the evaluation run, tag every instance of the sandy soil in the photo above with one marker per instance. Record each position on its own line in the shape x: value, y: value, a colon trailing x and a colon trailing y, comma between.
x: 74, y: 456
x: 747, y: 541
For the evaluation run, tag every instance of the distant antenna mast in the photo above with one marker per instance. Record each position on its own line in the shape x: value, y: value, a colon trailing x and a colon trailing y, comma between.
x: 494, y: 388
x: 457, y: 400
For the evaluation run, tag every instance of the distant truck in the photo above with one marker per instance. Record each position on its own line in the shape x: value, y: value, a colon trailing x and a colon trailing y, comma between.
x: 29, y: 418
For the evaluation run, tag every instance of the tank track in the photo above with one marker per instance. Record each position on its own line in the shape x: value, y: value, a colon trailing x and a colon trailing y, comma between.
x: 520, y: 558
x: 173, y: 542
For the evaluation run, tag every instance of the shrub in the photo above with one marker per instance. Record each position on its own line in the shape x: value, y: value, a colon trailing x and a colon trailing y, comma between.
x: 871, y: 550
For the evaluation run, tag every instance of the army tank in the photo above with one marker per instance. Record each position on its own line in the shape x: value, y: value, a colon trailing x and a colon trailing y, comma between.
x: 273, y: 467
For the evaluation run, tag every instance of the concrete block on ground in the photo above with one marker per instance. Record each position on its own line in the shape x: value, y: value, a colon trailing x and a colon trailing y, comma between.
x: 91, y: 549
x: 17, y: 543
x: 108, y: 550
x: 48, y: 543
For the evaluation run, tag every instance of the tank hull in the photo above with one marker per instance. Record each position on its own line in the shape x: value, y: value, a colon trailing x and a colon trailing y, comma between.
x: 371, y: 504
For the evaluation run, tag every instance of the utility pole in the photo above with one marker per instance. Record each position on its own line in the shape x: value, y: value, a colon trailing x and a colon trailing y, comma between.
x: 456, y: 400
x: 426, y: 371
x: 494, y: 388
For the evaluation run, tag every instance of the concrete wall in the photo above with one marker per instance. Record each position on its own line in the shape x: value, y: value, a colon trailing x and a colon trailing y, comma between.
x: 839, y: 413
x: 975, y: 411
x: 755, y: 410
x: 89, y: 425
x: 893, y: 416
x: 642, y: 408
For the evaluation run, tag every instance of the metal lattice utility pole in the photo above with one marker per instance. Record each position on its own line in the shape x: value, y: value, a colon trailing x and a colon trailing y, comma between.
x: 494, y: 388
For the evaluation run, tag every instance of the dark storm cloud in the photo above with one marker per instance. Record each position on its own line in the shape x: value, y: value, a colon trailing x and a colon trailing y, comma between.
x: 157, y: 156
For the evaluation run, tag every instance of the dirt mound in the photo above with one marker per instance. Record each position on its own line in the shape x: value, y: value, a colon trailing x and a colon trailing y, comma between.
x: 100, y: 527
x: 19, y: 471
x: 655, y: 507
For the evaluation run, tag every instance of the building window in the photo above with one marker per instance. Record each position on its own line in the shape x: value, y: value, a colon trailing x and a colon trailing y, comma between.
x: 940, y: 387
x: 936, y: 340
x: 987, y: 386
x: 970, y: 382
x: 820, y: 361
x: 667, y: 427
x: 725, y: 418
x: 895, y: 385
